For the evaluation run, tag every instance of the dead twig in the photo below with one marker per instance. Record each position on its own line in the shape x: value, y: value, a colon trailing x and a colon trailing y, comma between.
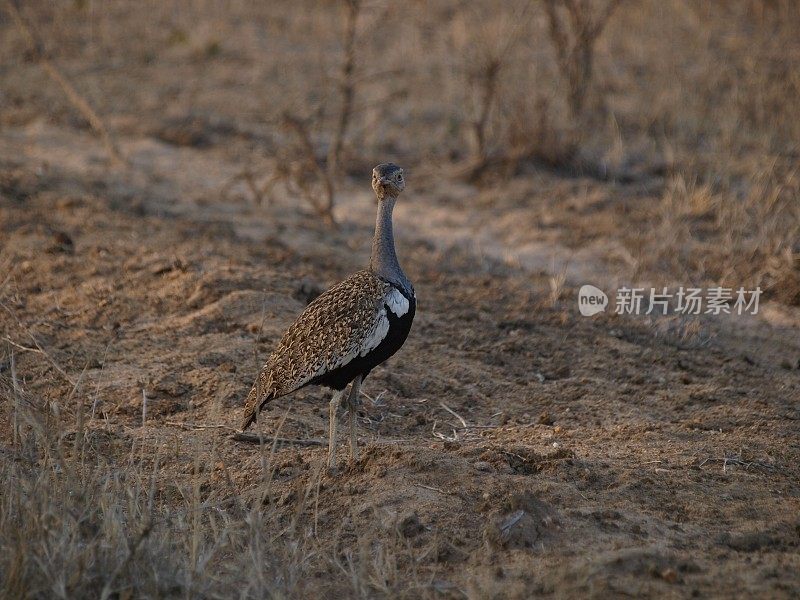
x: 197, y: 426
x: 20, y: 346
x: 15, y: 385
x: 433, y: 489
x: 241, y: 436
x: 732, y: 460
x: 455, y: 414
x: 38, y: 348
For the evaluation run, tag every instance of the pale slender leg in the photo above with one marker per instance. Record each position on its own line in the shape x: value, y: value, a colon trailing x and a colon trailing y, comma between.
x: 352, y: 405
x: 334, y: 406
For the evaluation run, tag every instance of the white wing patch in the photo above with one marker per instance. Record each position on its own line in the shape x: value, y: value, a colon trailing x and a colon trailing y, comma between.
x: 376, y: 335
x: 396, y: 302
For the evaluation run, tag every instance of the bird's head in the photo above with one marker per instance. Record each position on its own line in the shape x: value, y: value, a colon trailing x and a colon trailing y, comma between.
x: 387, y: 180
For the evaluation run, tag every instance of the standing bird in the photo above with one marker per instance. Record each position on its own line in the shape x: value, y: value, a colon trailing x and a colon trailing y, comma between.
x: 347, y: 331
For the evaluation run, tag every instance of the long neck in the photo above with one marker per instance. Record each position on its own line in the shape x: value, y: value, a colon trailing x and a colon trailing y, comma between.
x: 383, y: 261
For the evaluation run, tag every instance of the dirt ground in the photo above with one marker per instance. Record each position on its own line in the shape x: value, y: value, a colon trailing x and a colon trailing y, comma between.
x: 512, y: 449
x: 602, y: 456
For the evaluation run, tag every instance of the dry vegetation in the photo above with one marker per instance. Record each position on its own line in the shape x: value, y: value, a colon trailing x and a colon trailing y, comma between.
x: 170, y: 178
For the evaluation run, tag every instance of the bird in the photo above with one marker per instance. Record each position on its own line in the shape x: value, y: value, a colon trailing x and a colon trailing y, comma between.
x: 348, y: 330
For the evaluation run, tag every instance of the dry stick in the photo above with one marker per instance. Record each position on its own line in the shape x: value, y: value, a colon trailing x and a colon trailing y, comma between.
x: 69, y: 90
x: 96, y: 398
x: 20, y: 346
x: 455, y: 414
x: 197, y: 426
x: 433, y: 489
x: 40, y: 350
x: 80, y: 434
x: 144, y: 407
x: 240, y: 436
x: 255, y: 438
x: 736, y: 461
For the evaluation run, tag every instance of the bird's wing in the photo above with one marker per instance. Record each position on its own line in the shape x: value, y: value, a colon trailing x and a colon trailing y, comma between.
x: 346, y: 321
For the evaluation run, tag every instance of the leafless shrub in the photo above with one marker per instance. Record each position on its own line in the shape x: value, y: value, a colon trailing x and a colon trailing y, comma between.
x: 307, y: 174
x: 487, y: 44
x: 347, y: 86
x: 574, y: 27
x: 37, y: 49
x: 301, y: 168
x: 484, y: 77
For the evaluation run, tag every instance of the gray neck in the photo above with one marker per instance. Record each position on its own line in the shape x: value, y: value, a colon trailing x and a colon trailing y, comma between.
x: 383, y: 261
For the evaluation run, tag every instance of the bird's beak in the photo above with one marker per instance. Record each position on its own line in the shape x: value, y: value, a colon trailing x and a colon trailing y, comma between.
x: 383, y: 180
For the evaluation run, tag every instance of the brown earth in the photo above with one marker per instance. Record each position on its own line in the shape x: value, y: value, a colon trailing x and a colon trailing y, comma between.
x: 604, y: 456
x: 512, y: 448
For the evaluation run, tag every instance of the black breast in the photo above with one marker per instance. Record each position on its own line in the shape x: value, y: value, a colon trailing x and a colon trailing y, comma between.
x: 362, y: 365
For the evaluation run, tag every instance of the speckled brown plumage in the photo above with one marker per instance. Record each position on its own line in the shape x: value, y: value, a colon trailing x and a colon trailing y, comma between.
x: 333, y: 329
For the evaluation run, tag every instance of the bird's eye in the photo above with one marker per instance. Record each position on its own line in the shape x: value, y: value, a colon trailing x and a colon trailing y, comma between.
x: 399, y: 177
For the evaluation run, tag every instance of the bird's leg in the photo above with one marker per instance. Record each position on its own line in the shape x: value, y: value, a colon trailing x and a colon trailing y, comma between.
x: 352, y: 405
x: 334, y: 406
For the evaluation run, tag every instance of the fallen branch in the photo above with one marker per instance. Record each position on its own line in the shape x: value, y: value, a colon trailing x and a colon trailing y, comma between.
x: 455, y: 414
x: 198, y: 426
x: 255, y: 438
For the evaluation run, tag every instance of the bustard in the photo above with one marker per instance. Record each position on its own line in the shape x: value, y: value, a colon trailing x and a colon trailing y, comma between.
x: 347, y: 331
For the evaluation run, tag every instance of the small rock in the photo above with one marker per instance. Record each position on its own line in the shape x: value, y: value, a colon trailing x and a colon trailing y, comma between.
x: 409, y: 525
x: 669, y: 575
x: 482, y: 465
x: 62, y: 243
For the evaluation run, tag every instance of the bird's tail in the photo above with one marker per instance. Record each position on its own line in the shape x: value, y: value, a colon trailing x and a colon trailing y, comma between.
x: 259, y: 395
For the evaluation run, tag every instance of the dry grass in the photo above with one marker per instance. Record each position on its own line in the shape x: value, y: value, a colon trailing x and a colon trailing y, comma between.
x: 706, y: 234
x: 78, y: 520
x: 92, y: 514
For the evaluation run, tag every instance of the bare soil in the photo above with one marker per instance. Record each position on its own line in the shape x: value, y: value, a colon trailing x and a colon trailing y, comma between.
x: 611, y: 456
